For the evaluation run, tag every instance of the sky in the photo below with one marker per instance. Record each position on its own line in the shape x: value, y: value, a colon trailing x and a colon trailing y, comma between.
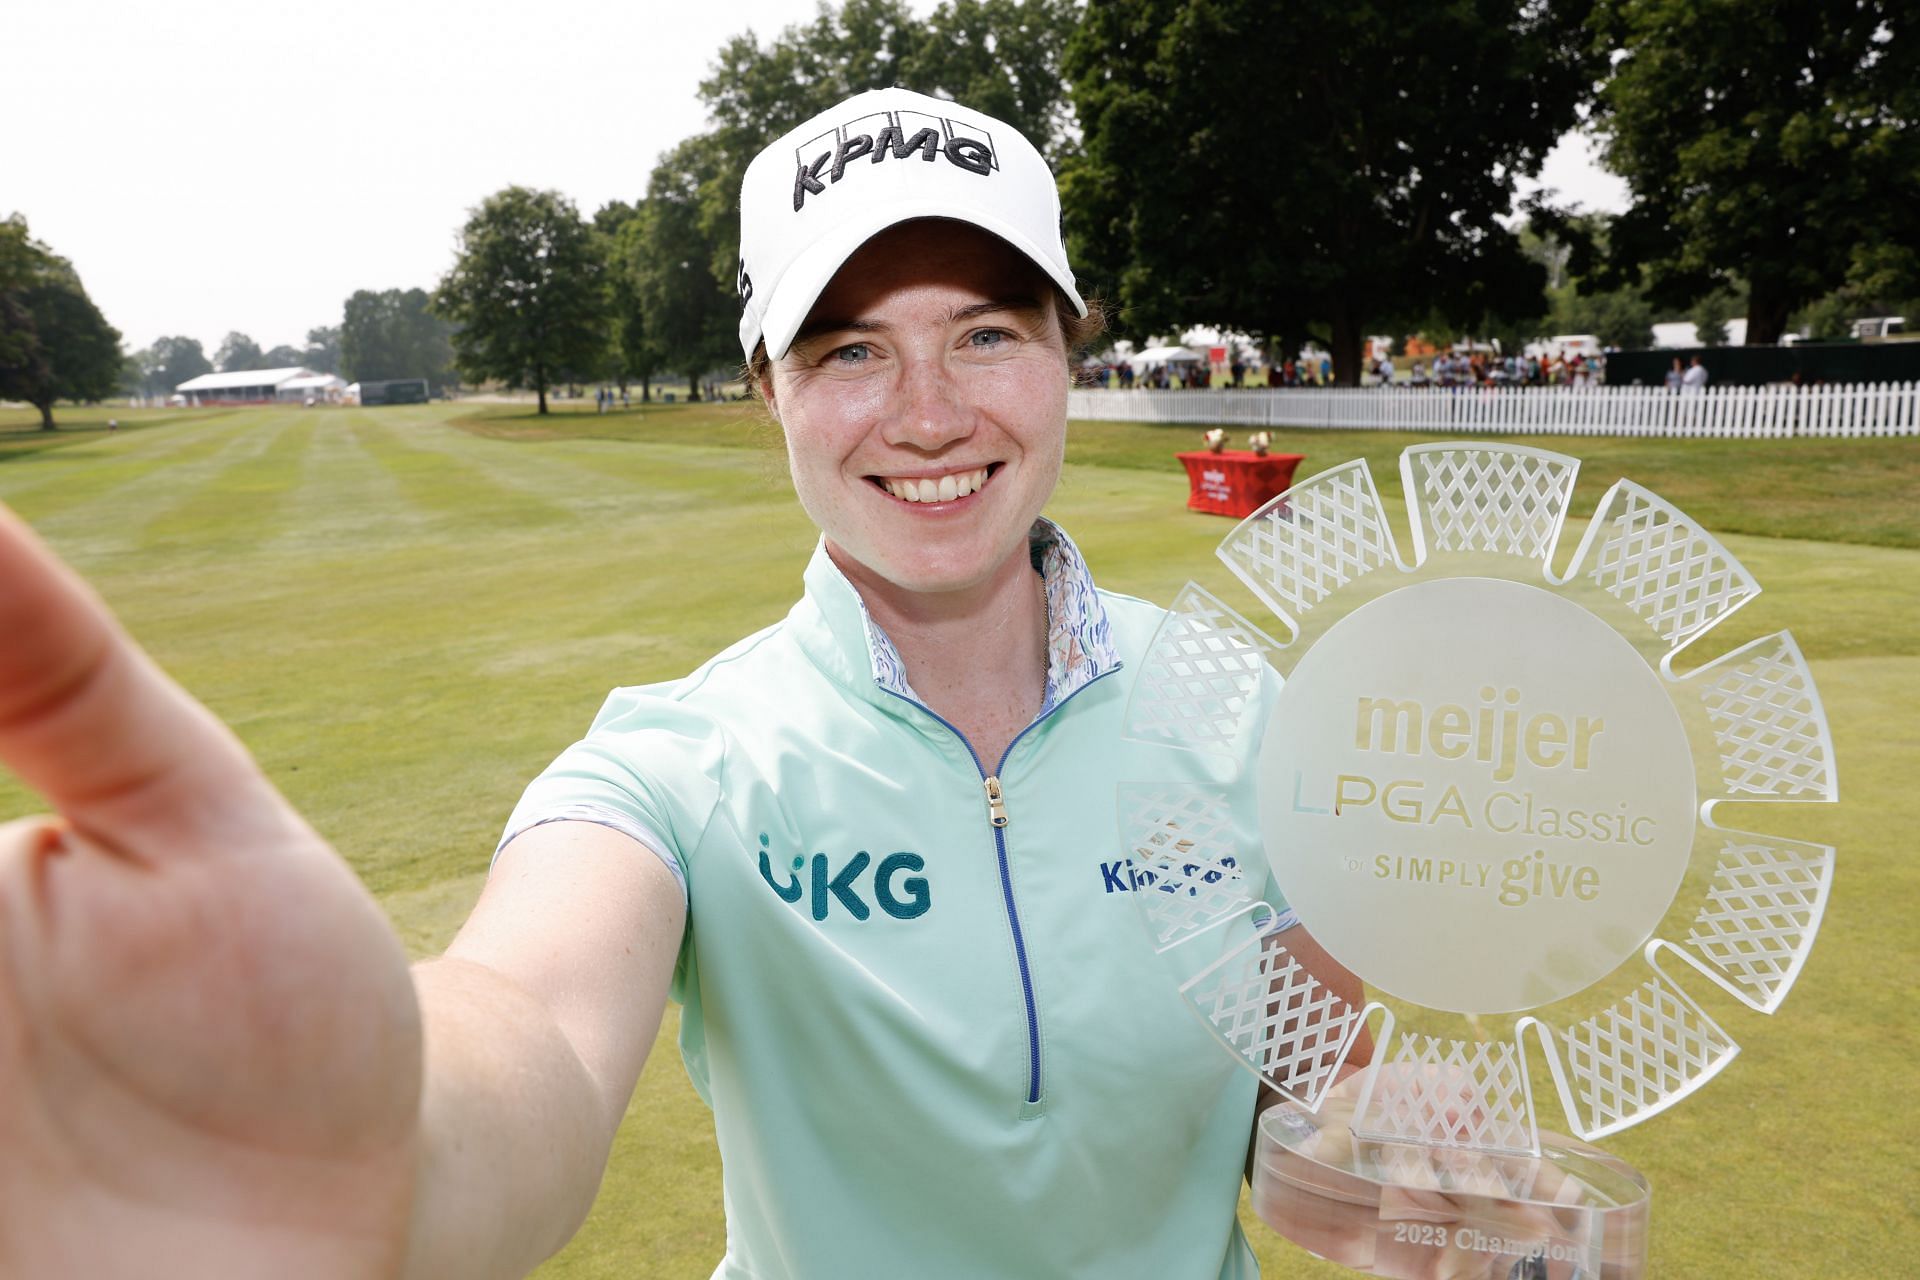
x: 209, y: 165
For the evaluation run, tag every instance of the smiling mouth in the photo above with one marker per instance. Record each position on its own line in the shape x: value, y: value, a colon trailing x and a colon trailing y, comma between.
x: 948, y: 488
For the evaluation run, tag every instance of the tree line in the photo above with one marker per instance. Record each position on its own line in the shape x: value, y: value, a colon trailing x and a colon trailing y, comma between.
x: 389, y: 333
x: 1313, y: 171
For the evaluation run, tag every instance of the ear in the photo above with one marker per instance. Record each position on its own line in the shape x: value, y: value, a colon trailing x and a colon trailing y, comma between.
x: 767, y: 396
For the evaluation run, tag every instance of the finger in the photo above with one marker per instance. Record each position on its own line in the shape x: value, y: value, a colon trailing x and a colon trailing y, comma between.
x: 89, y: 721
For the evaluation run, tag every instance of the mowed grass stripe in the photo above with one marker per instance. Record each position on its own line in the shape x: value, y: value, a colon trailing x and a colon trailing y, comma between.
x: 42, y: 485
x: 440, y: 483
x: 241, y: 502
x: 590, y: 474
x: 345, y: 502
x: 111, y: 525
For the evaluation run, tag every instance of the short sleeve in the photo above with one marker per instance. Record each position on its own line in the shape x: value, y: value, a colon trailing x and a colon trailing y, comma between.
x: 649, y: 768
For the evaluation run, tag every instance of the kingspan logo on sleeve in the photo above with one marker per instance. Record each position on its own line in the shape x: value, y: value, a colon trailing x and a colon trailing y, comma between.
x: 888, y: 135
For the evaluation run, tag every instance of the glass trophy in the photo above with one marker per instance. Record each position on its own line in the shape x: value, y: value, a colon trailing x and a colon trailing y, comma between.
x: 1491, y: 787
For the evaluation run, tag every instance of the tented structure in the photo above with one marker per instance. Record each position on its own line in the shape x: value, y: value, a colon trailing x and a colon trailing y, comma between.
x: 243, y: 386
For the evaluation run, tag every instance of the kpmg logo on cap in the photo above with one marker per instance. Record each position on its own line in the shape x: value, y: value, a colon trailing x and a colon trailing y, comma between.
x: 888, y: 134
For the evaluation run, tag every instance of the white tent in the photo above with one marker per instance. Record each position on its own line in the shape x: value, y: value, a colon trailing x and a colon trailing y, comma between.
x: 324, y: 387
x: 1154, y: 357
x: 247, y: 386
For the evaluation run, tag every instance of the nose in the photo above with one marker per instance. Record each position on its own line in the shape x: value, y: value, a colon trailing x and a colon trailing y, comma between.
x: 933, y: 411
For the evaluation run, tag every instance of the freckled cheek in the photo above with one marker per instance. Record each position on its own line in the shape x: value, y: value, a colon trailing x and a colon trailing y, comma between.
x: 824, y: 448
x: 1030, y: 403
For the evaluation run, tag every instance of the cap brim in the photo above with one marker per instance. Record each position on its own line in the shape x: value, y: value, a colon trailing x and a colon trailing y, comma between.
x: 807, y: 275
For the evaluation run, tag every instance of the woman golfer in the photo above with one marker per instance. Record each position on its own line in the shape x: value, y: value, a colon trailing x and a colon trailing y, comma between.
x: 871, y: 850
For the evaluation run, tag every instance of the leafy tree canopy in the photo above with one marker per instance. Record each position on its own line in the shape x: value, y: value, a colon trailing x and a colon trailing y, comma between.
x: 1775, y: 144
x: 527, y: 292
x: 1001, y: 56
x: 1229, y: 178
x: 389, y: 334
x: 238, y: 352
x: 633, y: 354
x: 174, y: 360
x: 691, y: 318
x: 323, y: 349
x: 54, y: 343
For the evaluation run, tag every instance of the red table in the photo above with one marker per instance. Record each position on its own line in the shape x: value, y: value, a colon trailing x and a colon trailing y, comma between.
x: 1235, y: 482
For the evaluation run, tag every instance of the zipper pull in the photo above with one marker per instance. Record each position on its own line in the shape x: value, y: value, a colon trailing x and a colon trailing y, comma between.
x: 996, y: 804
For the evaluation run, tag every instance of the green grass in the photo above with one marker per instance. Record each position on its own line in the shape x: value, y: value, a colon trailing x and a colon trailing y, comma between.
x: 406, y: 612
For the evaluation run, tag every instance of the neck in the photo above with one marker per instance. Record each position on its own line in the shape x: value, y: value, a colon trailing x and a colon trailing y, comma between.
x: 977, y: 655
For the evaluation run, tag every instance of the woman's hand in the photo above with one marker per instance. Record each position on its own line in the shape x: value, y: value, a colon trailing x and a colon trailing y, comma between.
x: 210, y: 1051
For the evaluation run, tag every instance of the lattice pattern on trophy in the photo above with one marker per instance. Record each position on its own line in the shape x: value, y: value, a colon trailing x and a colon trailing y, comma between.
x: 1650, y: 556
x: 1200, y: 673
x: 1768, y: 723
x: 1754, y: 730
x: 1760, y: 915
x: 1185, y: 865
x: 1315, y: 538
x: 1265, y: 1006
x: 1643, y: 1054
x: 1503, y: 499
x: 1451, y: 1093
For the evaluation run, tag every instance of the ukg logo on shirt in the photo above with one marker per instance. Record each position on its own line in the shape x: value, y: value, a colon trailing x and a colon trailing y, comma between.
x: 896, y: 890
x: 888, y: 135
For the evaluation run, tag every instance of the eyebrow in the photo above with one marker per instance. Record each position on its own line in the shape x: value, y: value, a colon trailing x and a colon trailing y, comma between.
x: 1019, y: 304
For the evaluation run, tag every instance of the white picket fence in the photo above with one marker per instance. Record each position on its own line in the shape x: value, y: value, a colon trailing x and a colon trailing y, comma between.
x: 1834, y: 409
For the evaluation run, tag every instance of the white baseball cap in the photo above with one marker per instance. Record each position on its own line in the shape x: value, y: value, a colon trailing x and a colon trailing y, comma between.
x: 811, y: 199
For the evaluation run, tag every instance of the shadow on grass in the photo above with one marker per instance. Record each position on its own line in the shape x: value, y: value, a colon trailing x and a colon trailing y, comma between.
x: 22, y: 436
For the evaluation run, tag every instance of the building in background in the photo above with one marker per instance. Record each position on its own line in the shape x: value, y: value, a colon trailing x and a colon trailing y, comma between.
x: 262, y: 386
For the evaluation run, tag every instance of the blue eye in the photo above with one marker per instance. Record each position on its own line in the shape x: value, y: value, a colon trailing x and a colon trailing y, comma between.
x: 988, y: 337
x: 852, y: 353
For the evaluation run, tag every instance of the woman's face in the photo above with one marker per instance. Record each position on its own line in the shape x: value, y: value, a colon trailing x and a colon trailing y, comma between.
x: 924, y: 404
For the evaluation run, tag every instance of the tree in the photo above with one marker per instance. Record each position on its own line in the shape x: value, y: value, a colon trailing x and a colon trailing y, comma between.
x: 1710, y: 315
x: 754, y: 93
x: 691, y: 319
x: 1776, y: 144
x: 282, y: 357
x: 392, y: 334
x: 54, y: 343
x: 237, y: 352
x: 1619, y: 315
x: 1001, y: 57
x: 323, y: 349
x: 172, y: 361
x: 526, y: 292
x: 621, y: 229
x: 1364, y: 189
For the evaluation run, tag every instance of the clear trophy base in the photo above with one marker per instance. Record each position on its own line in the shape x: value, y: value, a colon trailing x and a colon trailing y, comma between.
x: 1437, y: 1213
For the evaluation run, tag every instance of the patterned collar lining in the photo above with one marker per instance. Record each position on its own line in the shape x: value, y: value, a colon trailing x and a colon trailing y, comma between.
x: 1079, y: 639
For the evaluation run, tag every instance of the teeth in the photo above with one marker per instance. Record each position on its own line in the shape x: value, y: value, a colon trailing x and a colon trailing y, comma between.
x: 954, y: 485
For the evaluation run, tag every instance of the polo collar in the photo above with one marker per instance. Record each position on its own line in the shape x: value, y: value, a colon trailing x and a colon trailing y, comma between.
x: 843, y: 639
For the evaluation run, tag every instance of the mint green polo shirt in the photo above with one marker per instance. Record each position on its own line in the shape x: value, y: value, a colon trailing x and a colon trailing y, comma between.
x: 934, y: 1047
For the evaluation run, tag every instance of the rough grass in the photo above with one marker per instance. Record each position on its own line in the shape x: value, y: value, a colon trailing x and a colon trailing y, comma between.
x: 405, y: 621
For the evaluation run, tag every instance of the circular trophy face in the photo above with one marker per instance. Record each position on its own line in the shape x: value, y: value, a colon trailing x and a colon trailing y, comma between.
x: 1479, y: 793
x: 1485, y: 776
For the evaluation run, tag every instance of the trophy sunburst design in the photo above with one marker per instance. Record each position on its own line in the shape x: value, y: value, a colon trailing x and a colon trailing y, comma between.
x: 1486, y: 790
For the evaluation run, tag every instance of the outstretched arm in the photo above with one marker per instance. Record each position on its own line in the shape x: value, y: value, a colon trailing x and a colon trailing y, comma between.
x: 211, y: 1055
x: 538, y: 1020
